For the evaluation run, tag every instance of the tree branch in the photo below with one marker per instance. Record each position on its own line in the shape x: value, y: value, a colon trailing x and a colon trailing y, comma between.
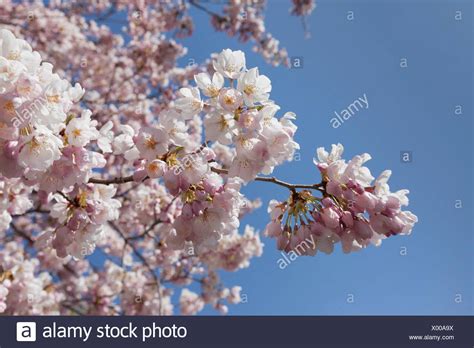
x: 142, y: 259
x: 276, y: 181
x: 205, y: 9
x: 120, y: 180
x: 292, y: 187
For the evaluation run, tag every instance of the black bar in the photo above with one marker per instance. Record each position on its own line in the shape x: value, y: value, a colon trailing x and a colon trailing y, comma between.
x: 254, y: 331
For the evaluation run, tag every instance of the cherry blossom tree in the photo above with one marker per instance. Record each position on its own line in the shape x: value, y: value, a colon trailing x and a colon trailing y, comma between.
x: 143, y: 162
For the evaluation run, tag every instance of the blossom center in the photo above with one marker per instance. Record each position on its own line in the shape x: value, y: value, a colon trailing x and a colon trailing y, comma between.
x: 249, y: 89
x: 229, y: 100
x: 150, y: 143
x: 212, y: 91
x: 14, y: 55
x: 53, y: 98
x: 9, y: 107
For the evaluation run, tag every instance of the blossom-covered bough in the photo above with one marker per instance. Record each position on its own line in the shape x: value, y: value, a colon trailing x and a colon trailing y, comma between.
x: 114, y: 196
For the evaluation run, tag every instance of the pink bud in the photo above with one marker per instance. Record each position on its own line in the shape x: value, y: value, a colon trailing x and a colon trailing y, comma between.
x: 393, y: 203
x: 395, y: 224
x: 366, y: 201
x: 316, y: 228
x: 334, y: 188
x: 330, y: 217
x: 327, y: 202
x: 282, y: 241
x: 355, y: 186
x: 305, y: 232
x: 363, y: 229
x: 139, y: 175
x: 322, y: 167
x: 273, y: 229
x: 171, y: 182
x: 295, y: 239
x: 347, y: 219
x: 10, y: 149
x: 378, y: 223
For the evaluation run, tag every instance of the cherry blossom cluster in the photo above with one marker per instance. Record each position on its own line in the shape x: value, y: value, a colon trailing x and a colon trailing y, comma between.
x: 235, y: 250
x: 81, y: 214
x: 145, y: 169
x: 245, y: 19
x: 54, y: 205
x: 40, y: 140
x: 191, y: 303
x: 14, y: 200
x: 354, y: 209
x: 23, y: 291
x: 241, y: 115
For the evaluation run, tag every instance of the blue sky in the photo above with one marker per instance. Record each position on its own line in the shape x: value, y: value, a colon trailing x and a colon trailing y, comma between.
x: 410, y: 109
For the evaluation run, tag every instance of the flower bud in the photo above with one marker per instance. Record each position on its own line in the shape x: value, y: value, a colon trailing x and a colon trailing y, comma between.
x: 347, y: 219
x: 273, y: 229
x: 283, y: 240
x: 139, y: 175
x: 330, y: 217
x: 363, y: 229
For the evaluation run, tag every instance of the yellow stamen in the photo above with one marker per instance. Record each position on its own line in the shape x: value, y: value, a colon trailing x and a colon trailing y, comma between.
x: 212, y: 91
x: 25, y: 131
x: 9, y: 107
x: 82, y: 199
x: 150, y: 143
x: 229, y: 100
x: 189, y: 196
x: 24, y: 90
x: 13, y: 55
x: 223, y: 123
x: 249, y: 89
x: 53, y: 98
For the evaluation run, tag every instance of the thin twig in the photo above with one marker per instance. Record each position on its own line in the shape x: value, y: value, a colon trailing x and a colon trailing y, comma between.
x: 31, y: 242
x: 142, y: 259
x: 205, y: 9
x: 292, y: 187
x: 120, y: 180
x: 276, y: 181
x: 148, y: 230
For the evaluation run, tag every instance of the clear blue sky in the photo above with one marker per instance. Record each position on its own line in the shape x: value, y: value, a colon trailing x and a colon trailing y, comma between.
x: 410, y: 109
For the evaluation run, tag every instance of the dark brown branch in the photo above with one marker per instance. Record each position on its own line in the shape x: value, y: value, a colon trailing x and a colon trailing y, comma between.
x: 72, y: 309
x: 205, y: 9
x: 276, y: 181
x: 120, y: 180
x: 292, y: 187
